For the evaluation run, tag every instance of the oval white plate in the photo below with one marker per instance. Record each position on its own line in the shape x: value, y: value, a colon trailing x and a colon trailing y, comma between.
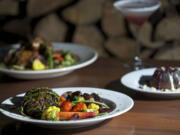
x: 131, y: 80
x: 87, y: 56
x: 121, y: 102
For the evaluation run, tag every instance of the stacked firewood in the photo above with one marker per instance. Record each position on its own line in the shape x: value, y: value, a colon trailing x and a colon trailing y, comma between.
x: 97, y: 24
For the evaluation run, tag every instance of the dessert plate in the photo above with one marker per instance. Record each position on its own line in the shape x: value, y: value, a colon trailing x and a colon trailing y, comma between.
x: 131, y: 80
x: 120, y: 103
x: 86, y: 55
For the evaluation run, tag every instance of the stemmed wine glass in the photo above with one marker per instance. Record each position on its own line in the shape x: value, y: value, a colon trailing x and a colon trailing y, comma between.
x: 137, y: 13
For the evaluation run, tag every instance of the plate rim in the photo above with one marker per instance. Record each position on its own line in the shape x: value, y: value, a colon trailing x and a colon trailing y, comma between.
x: 95, y: 119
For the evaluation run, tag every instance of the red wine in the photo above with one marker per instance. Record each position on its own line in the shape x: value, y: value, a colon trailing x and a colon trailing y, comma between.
x: 137, y: 20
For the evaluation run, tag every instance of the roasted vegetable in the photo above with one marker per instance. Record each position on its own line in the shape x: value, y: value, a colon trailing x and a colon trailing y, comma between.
x: 49, y: 57
x: 38, y: 65
x: 89, y: 101
x: 43, y: 103
x: 66, y: 106
x: 51, y: 113
x: 79, y: 107
x: 79, y: 115
x: 93, y: 106
x: 62, y: 99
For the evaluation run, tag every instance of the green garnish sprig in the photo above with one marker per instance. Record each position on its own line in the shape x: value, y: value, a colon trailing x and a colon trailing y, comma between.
x: 178, y: 71
x: 101, y: 114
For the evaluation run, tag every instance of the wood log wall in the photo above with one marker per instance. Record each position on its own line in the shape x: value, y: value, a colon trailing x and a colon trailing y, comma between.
x: 94, y: 23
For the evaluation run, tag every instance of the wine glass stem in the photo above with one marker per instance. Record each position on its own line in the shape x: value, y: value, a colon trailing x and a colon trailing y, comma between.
x: 137, y: 59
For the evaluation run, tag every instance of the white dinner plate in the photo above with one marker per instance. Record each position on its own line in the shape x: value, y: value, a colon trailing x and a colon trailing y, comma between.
x: 86, y: 55
x: 120, y: 103
x: 131, y: 80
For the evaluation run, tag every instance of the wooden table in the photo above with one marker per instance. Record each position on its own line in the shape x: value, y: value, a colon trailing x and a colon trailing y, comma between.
x: 149, y: 116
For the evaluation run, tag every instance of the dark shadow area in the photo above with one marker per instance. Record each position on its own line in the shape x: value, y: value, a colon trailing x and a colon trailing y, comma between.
x: 3, y: 51
x: 7, y: 79
x: 20, y: 128
x: 14, y: 108
x: 145, y: 80
x: 117, y: 86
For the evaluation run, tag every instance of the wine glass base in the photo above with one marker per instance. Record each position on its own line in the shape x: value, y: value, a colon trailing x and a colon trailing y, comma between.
x: 137, y: 65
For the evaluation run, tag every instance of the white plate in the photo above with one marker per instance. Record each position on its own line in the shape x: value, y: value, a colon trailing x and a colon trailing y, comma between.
x: 131, y: 80
x: 87, y: 56
x: 121, y: 103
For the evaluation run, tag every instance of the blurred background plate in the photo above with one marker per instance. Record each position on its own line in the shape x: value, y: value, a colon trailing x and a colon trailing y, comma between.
x: 86, y: 55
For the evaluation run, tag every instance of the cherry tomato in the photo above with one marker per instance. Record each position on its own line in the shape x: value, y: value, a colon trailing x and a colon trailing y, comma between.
x: 60, y: 59
x: 66, y: 106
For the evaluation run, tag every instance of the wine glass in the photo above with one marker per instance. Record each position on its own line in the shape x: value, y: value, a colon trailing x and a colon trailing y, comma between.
x: 137, y: 13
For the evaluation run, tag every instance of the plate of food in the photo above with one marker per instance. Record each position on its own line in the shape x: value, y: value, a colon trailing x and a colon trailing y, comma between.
x: 160, y: 81
x: 39, y: 59
x: 66, y: 107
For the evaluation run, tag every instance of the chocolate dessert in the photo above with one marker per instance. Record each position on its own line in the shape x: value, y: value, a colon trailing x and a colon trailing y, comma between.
x: 165, y: 78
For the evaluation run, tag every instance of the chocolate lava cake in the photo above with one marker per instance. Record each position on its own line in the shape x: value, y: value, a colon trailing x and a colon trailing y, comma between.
x: 165, y: 78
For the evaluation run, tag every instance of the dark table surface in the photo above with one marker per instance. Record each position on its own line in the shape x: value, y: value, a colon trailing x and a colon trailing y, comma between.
x: 149, y: 116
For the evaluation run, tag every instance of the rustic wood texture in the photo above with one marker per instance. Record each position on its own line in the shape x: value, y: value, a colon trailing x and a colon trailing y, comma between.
x: 175, y: 2
x: 95, y: 23
x: 145, y: 36
x: 168, y: 29
x: 18, y: 26
x: 121, y: 47
x: 172, y: 52
x: 164, y: 5
x: 8, y: 7
x: 84, y: 12
x: 146, y: 54
x: 37, y: 8
x: 149, y: 116
x: 113, y: 22
x: 51, y: 28
x: 89, y: 35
